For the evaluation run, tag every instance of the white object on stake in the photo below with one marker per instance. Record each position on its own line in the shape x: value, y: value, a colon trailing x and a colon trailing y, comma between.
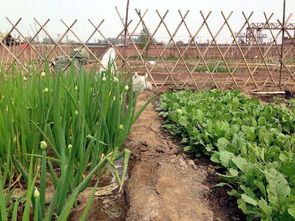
x: 152, y: 62
x: 109, y: 56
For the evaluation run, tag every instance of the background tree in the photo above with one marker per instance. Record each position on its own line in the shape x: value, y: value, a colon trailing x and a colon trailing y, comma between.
x: 145, y: 40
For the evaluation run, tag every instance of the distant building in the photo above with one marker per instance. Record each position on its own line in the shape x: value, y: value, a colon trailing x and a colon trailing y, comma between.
x: 8, y: 40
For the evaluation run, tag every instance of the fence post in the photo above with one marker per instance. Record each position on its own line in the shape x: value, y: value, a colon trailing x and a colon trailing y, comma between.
x: 125, y: 31
x: 282, y: 45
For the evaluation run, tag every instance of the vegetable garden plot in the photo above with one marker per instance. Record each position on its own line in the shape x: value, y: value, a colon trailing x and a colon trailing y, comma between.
x: 253, y: 144
x: 61, y: 132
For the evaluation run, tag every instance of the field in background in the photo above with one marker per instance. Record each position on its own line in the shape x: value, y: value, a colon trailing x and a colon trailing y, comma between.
x: 245, y: 61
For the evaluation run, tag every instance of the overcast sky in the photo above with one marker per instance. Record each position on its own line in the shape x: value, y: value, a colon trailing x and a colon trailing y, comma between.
x: 98, y: 9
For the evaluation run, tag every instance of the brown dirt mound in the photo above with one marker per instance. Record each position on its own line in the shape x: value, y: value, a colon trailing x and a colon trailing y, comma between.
x: 165, y: 184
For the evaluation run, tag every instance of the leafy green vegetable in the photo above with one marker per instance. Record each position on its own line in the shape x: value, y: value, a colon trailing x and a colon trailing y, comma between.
x: 60, y: 132
x: 255, y: 144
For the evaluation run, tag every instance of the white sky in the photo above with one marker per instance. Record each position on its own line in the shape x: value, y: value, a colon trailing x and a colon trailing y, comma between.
x: 98, y: 9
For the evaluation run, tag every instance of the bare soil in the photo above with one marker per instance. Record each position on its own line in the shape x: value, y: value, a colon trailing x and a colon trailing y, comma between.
x: 264, y: 79
x: 164, y: 184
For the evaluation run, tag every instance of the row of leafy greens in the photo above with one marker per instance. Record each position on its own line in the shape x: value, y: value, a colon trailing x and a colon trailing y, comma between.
x: 254, y: 143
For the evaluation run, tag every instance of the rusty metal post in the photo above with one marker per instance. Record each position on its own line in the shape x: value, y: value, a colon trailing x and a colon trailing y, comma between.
x: 126, y: 22
x: 282, y: 45
x: 126, y: 29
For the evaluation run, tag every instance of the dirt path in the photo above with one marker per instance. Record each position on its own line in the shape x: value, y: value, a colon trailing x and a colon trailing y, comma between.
x: 166, y: 185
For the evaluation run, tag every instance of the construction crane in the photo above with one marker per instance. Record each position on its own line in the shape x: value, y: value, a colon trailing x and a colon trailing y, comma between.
x: 257, y: 28
x: 254, y: 31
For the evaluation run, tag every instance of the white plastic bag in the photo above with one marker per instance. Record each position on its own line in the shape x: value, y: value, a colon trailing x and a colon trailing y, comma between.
x: 140, y: 83
x: 109, y: 56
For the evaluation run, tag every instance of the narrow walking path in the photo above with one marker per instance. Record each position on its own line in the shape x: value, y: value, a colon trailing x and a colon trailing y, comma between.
x: 164, y: 184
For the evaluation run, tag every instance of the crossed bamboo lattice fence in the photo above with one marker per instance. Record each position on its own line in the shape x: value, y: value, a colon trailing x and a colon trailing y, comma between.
x: 213, y: 64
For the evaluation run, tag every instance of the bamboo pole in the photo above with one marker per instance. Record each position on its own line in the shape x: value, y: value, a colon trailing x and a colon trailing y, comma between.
x: 282, y: 45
